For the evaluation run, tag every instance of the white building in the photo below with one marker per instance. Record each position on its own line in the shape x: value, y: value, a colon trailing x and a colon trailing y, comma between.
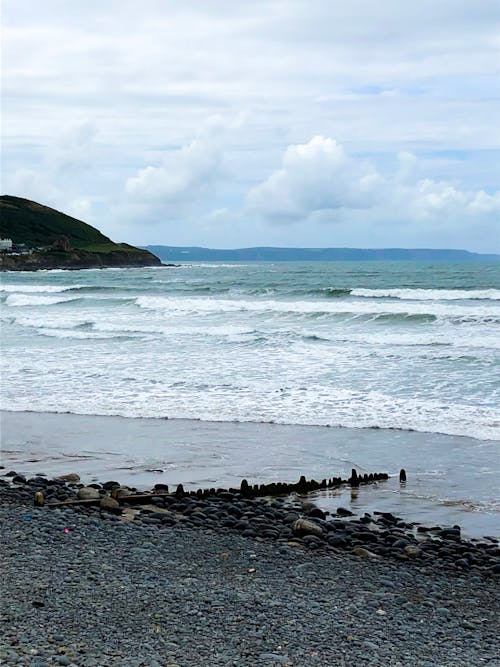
x: 5, y: 244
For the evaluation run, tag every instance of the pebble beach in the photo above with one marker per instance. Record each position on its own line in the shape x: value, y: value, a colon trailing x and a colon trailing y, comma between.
x: 227, y: 580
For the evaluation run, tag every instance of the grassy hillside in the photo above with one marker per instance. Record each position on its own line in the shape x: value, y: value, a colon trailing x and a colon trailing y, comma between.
x: 25, y: 221
x: 38, y: 226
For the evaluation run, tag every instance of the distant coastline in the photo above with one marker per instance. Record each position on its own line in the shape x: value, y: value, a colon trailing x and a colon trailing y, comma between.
x: 270, y: 254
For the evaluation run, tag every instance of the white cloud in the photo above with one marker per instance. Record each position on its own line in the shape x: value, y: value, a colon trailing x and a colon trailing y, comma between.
x: 320, y: 180
x: 181, y: 177
x: 317, y: 176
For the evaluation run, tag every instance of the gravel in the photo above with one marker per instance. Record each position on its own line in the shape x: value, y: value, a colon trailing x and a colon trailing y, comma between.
x: 81, y: 590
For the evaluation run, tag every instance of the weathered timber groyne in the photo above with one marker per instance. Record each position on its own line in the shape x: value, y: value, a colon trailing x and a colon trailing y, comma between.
x: 278, y: 512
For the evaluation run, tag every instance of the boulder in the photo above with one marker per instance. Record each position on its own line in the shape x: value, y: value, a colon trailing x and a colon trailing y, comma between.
x: 342, y: 511
x: 364, y: 553
x: 88, y: 493
x: 19, y: 479
x: 109, y: 504
x: 39, y: 499
x: 120, y: 491
x: 412, y: 551
x: 70, y: 477
x: 305, y: 527
x: 111, y: 484
x: 161, y: 488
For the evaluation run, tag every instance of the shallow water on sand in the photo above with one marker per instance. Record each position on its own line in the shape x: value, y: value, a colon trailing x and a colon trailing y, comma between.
x: 451, y: 480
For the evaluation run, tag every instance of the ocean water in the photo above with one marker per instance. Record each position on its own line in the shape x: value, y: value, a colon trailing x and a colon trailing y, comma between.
x: 402, y: 345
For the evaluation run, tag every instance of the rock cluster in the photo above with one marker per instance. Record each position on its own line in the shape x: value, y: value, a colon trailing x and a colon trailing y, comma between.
x: 229, y: 582
x: 285, y: 520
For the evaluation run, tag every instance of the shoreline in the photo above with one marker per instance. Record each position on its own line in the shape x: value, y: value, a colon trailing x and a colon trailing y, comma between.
x: 271, y: 422
x: 287, y: 516
x: 142, y: 452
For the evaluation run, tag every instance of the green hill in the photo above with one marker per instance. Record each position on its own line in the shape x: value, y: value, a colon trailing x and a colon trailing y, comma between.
x: 36, y: 226
x: 28, y: 222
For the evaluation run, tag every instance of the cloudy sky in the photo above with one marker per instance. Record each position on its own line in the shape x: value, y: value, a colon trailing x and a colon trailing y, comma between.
x: 233, y: 123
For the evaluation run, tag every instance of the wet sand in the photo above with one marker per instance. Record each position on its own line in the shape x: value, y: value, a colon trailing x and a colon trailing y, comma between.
x: 450, y: 479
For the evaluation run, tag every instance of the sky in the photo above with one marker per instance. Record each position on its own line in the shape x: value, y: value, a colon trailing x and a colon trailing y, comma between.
x: 278, y: 123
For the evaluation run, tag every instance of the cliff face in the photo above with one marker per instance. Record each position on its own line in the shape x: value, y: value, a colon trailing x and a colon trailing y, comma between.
x: 78, y: 259
x: 67, y: 243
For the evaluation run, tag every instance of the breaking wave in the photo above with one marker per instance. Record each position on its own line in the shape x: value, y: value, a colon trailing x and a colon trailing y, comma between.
x: 389, y: 310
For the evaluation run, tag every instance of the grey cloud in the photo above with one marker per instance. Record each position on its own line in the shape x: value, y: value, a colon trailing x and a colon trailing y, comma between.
x: 381, y: 77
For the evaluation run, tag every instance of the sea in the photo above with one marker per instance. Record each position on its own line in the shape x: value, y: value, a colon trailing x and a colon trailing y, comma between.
x: 390, y: 362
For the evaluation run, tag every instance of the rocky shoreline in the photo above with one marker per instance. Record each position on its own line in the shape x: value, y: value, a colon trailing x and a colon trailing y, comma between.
x: 77, y: 259
x: 286, y: 519
x: 228, y: 580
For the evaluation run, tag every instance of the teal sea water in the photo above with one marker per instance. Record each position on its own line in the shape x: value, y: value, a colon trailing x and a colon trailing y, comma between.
x: 411, y: 347
x: 402, y: 345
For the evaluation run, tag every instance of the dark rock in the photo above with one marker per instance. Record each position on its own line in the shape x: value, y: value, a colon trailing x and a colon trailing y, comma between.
x: 312, y: 539
x: 151, y: 520
x: 249, y: 533
x: 366, y: 536
x: 400, y: 544
x: 316, y: 513
x: 235, y: 511
x: 229, y: 522
x: 337, y: 541
x: 110, y: 485
x: 161, y: 488
x: 37, y: 481
x: 19, y: 479
x: 342, y: 511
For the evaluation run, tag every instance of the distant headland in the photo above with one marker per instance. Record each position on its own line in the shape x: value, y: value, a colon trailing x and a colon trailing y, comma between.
x: 34, y: 237
x: 195, y: 254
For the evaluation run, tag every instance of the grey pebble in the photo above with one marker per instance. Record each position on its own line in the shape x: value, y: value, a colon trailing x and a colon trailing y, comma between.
x: 138, y: 595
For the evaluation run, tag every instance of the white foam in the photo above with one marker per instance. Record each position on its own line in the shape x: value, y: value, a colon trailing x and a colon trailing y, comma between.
x: 27, y: 300
x: 253, y: 358
x: 77, y: 335
x: 421, y: 339
x: 35, y: 289
x: 66, y: 321
x: 203, y: 265
x: 259, y: 402
x: 226, y: 330
x: 428, y: 294
x: 375, y: 308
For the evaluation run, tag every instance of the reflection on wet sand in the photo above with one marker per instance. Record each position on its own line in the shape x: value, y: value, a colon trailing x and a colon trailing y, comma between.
x: 142, y: 452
